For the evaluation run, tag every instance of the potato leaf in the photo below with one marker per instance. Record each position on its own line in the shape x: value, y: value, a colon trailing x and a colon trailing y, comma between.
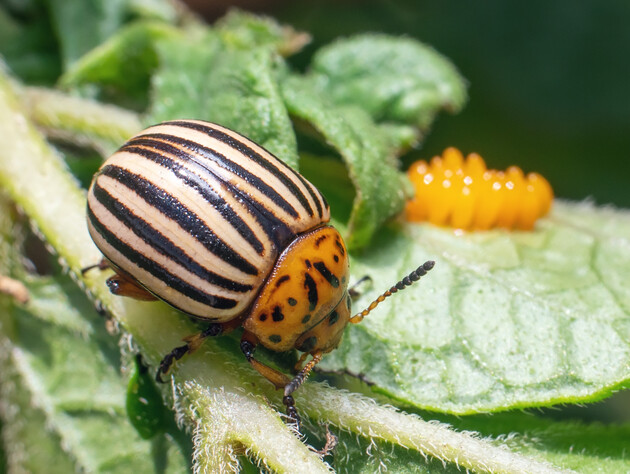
x: 393, y: 79
x: 72, y: 385
x: 505, y: 320
x: 80, y: 25
x: 122, y: 66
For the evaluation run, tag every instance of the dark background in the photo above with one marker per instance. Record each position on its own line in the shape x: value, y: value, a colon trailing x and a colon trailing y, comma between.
x: 549, y: 81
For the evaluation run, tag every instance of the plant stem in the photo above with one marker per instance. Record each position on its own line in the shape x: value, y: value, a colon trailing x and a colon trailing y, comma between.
x: 80, y: 121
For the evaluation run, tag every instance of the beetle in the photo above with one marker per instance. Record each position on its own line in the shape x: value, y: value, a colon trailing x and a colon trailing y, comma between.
x: 201, y: 217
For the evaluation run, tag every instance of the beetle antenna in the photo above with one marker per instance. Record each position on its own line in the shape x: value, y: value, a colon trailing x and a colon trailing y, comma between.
x: 409, y: 280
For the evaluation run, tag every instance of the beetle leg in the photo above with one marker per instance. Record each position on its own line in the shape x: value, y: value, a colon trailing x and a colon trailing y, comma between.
x: 192, y: 344
x: 278, y: 379
x: 102, y: 265
x: 122, y: 285
x: 294, y: 384
x: 353, y: 292
x: 248, y: 346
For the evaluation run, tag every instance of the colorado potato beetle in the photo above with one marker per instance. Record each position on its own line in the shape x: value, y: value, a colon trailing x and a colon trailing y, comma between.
x: 197, y: 215
x: 465, y: 195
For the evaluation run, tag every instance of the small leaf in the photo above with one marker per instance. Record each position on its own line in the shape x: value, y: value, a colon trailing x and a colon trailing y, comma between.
x: 204, y: 79
x: 393, y: 79
x: 122, y: 66
x: 245, y: 30
x: 505, y: 320
x: 155, y: 9
x: 81, y: 25
x: 145, y: 406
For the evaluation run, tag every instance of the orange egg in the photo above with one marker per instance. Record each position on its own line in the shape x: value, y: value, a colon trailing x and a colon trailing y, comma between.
x: 463, y: 193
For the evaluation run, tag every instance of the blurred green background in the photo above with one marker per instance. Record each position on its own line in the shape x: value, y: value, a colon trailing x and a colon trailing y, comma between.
x: 549, y: 80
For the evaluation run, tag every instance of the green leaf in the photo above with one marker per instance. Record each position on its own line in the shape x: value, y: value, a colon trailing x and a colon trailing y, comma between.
x: 122, y: 66
x: 26, y: 47
x: 393, y: 79
x: 81, y: 25
x: 155, y: 9
x: 359, y: 456
x: 29, y: 448
x: 245, y: 30
x: 505, y: 320
x: 74, y: 383
x: 365, y: 148
x: 201, y: 77
x: 145, y: 406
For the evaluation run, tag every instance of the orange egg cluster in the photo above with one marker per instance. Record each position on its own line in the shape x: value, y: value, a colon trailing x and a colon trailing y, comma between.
x: 466, y: 195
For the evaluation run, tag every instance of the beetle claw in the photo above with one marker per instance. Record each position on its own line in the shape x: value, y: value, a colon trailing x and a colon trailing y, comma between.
x: 168, y: 360
x: 292, y: 414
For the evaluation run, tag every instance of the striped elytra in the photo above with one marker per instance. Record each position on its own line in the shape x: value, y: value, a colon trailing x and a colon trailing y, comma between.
x: 201, y: 217
x: 199, y: 214
x: 463, y: 193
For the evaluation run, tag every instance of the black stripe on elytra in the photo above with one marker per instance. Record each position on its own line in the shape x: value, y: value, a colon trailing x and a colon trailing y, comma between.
x: 327, y: 274
x: 168, y: 205
x: 277, y: 231
x: 193, y: 180
x: 198, y: 151
x: 242, y: 147
x: 160, y: 243
x: 158, y: 271
x: 315, y: 194
x: 311, y: 286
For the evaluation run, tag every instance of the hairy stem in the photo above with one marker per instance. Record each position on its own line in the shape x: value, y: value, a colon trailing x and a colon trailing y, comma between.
x: 78, y: 120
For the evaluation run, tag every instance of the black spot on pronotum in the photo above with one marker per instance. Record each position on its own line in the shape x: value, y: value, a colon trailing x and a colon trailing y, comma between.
x: 282, y: 279
x: 311, y: 286
x: 320, y: 239
x: 308, y: 344
x: 336, y: 257
x: 327, y: 274
x: 263, y: 317
x: 333, y: 318
x: 306, y: 319
x: 277, y: 314
x: 292, y: 301
x: 308, y: 263
x: 275, y: 338
x: 340, y: 246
